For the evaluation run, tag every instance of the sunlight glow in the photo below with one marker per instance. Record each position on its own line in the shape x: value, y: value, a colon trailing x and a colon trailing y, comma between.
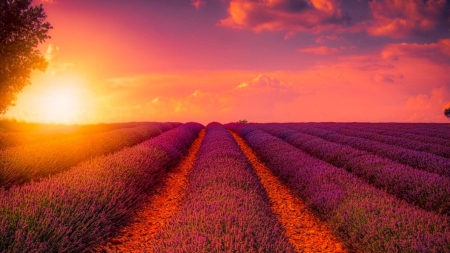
x: 61, y: 104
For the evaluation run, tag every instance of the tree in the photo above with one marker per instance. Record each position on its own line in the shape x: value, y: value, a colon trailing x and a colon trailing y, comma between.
x: 447, y: 112
x: 242, y: 121
x: 22, y: 28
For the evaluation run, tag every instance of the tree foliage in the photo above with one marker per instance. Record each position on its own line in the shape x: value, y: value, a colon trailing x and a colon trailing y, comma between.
x: 22, y: 28
x: 447, y: 112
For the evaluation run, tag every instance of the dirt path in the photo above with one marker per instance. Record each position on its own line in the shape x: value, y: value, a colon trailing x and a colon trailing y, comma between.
x: 160, y: 208
x: 305, y: 231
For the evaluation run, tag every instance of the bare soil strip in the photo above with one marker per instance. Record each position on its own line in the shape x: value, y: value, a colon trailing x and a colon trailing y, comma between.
x: 160, y: 208
x: 305, y: 231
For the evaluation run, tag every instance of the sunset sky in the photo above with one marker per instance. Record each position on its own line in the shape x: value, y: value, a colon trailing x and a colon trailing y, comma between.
x: 225, y: 60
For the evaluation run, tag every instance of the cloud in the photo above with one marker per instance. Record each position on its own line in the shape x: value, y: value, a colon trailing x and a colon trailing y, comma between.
x: 52, y: 57
x: 437, y: 52
x: 198, y: 3
x: 323, y: 38
x: 265, y: 86
x: 386, y: 78
x: 285, y: 15
x: 52, y: 53
x: 257, y: 99
x: 375, y: 66
x: 402, y: 18
x: 348, y: 88
x: 260, y: 98
x: 321, y: 50
x: 429, y: 107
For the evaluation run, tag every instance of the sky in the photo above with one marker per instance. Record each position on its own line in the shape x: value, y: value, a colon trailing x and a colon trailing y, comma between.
x: 228, y: 60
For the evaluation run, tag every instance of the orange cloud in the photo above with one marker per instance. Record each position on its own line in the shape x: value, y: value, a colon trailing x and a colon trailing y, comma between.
x: 55, y: 65
x: 256, y: 100
x: 402, y: 18
x: 438, y: 52
x: 322, y: 50
x: 52, y: 53
x: 429, y: 107
x: 262, y: 90
x: 345, y: 88
x: 282, y: 15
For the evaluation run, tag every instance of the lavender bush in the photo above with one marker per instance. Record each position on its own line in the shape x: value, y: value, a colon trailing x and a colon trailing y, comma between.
x: 225, y: 209
x: 374, y: 135
x: 436, y: 130
x: 416, y: 159
x: 23, y: 163
x: 395, y: 130
x: 366, y: 218
x: 16, y: 134
x: 427, y: 190
x: 73, y: 210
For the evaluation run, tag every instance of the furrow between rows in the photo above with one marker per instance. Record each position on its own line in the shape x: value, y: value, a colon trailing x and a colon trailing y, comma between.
x: 306, y: 232
x: 159, y: 209
x: 225, y: 208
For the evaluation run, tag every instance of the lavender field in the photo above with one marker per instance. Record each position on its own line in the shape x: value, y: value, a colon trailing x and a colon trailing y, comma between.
x: 185, y: 187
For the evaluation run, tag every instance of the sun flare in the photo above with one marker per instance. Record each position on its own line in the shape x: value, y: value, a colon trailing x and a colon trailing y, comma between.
x: 62, y: 104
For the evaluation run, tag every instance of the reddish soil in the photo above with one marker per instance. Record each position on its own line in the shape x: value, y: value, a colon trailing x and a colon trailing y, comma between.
x: 305, y: 231
x: 159, y: 209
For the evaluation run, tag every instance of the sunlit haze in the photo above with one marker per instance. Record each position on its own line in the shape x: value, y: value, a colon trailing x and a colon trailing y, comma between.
x: 226, y: 60
x: 61, y: 104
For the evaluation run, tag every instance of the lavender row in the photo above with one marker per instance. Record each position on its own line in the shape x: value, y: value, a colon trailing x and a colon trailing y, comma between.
x: 395, y: 131
x: 73, y: 210
x: 24, y: 163
x: 436, y: 131
x: 404, y: 142
x: 17, y: 134
x: 426, y: 190
x: 416, y: 159
x: 225, y: 209
x: 366, y: 218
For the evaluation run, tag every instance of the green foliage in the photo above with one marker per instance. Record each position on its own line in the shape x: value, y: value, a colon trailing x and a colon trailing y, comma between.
x: 447, y: 112
x: 22, y: 28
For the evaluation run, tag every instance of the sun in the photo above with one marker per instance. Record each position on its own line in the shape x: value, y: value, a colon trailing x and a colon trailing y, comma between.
x: 61, y: 104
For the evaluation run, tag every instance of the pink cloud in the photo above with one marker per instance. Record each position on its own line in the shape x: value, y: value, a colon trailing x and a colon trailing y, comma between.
x: 198, y: 3
x: 386, y: 78
x: 282, y: 15
x: 322, y: 50
x: 439, y: 51
x: 402, y: 18
x: 323, y: 38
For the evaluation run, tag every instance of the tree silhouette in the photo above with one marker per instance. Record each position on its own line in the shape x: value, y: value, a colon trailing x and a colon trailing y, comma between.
x: 22, y: 28
x: 447, y: 112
